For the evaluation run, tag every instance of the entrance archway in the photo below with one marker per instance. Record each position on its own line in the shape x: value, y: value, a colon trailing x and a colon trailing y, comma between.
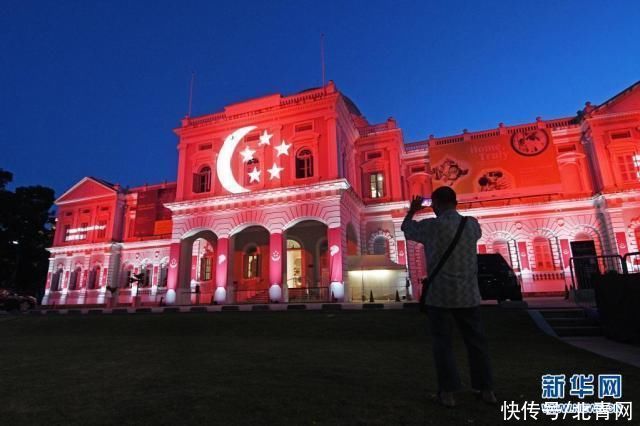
x: 196, y: 273
x: 307, y: 262
x: 249, y: 266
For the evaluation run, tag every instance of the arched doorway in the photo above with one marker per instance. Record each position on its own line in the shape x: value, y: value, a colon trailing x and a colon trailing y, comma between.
x: 307, y: 261
x: 196, y: 273
x: 249, y: 266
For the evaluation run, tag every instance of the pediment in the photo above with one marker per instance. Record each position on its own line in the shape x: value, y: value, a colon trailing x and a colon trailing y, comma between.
x: 87, y: 188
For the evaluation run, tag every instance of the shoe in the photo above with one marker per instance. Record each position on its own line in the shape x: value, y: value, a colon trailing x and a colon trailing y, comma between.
x: 446, y: 399
x: 488, y: 397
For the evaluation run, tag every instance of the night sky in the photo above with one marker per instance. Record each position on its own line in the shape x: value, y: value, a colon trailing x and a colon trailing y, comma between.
x: 96, y: 87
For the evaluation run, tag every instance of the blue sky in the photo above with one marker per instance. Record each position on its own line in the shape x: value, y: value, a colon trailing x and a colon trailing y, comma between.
x: 95, y: 88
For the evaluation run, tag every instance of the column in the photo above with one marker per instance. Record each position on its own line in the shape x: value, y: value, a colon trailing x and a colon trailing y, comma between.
x: 275, y: 266
x: 172, y: 273
x: 334, y: 239
x: 222, y: 268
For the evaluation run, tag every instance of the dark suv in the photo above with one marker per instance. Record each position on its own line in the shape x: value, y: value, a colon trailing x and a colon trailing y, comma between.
x: 11, y: 301
x: 496, y: 279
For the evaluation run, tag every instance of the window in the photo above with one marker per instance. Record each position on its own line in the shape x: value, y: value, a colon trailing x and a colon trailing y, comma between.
x: 542, y: 253
x: 162, y: 282
x: 621, y: 135
x: 304, y: 127
x: 380, y: 246
x: 376, y: 181
x: 205, y: 268
x: 102, y: 229
x: 304, y: 164
x: 251, y: 263
x: 126, y: 275
x: 74, y: 279
x: 94, y: 278
x: 204, y: 147
x: 202, y: 180
x: 250, y: 166
x: 55, y: 280
x: 372, y: 155
x: 628, y: 164
x: 147, y: 273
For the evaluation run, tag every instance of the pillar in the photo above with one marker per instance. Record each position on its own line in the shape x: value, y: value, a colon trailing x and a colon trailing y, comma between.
x: 172, y: 273
x: 334, y: 240
x: 222, y: 268
x: 275, y: 266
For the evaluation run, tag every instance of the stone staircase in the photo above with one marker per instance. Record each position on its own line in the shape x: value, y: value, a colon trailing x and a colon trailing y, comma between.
x: 571, y: 322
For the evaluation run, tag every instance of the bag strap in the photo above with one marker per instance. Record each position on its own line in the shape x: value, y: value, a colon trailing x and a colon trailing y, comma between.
x: 449, y: 250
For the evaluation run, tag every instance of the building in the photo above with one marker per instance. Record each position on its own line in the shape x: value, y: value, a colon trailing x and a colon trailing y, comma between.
x: 282, y: 199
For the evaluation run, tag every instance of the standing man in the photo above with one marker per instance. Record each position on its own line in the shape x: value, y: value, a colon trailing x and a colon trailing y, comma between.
x: 453, y: 294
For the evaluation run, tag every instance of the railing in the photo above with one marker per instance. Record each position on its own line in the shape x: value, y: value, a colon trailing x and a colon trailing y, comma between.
x: 631, y: 261
x: 308, y: 294
x: 583, y: 268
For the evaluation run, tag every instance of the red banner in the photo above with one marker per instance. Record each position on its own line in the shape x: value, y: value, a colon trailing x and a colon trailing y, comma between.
x: 621, y: 239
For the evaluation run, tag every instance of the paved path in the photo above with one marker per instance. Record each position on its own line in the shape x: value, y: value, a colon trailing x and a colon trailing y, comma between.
x: 629, y: 354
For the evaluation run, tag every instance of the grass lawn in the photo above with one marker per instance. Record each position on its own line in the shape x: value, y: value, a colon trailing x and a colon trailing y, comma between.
x: 302, y: 368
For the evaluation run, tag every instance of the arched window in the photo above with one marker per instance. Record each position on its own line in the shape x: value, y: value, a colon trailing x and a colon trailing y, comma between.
x: 380, y: 246
x: 251, y: 267
x: 202, y: 180
x: 55, y: 280
x: 147, y: 272
x: 542, y: 253
x: 94, y: 278
x: 304, y: 163
x: 206, y: 265
x: 74, y: 279
x: 162, y: 280
x: 126, y: 274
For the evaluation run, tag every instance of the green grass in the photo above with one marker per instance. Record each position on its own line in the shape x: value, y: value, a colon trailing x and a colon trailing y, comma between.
x: 298, y: 368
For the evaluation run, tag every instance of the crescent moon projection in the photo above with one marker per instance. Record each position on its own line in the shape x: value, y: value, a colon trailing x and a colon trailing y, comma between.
x: 223, y: 165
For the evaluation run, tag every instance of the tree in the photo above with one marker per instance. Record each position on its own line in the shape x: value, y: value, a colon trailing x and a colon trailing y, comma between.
x: 26, y: 230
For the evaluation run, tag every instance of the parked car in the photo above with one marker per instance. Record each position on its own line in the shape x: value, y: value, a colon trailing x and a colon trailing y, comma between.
x: 496, y: 279
x: 11, y: 301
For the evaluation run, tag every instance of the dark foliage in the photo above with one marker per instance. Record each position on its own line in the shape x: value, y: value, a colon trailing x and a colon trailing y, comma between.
x: 26, y: 229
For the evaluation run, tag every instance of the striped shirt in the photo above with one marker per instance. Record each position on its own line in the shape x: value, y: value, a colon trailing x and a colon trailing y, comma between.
x: 456, y: 285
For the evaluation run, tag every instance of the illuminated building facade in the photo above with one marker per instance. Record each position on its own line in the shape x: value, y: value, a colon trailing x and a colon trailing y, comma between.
x: 284, y: 199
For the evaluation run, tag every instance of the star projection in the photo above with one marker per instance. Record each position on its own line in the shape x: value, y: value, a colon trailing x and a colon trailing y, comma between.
x: 226, y: 155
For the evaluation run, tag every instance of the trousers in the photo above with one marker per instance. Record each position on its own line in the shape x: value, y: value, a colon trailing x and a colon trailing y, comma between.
x: 468, y: 322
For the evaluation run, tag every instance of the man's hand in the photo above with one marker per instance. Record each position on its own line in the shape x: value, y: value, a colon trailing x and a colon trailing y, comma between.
x: 416, y: 204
